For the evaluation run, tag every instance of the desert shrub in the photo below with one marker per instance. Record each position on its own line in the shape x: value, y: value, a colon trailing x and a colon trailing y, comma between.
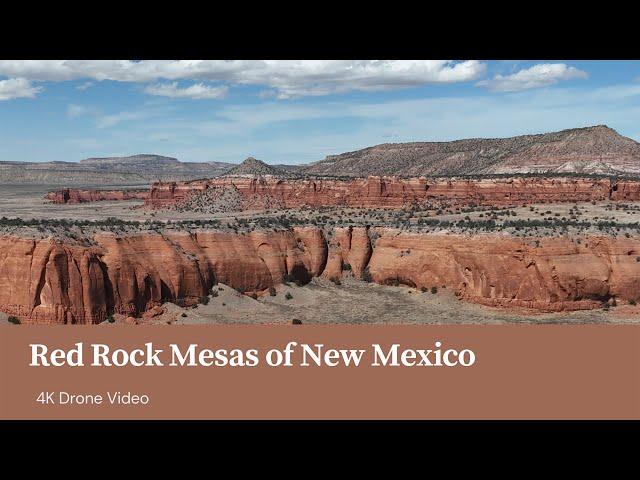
x: 214, y: 293
x: 295, y: 321
x: 272, y: 291
x: 434, y: 290
x: 632, y: 302
x: 110, y: 318
x: 366, y: 275
x: 423, y: 289
x: 204, y: 300
x: 346, y: 266
x: 288, y: 296
x: 335, y: 281
x: 14, y: 320
x: 183, y: 315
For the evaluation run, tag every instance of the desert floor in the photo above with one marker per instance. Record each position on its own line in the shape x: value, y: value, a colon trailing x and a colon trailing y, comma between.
x: 322, y: 302
x: 27, y: 201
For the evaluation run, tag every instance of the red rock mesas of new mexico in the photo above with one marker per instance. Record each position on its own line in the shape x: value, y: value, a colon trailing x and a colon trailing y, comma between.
x: 44, y: 281
x: 373, y: 192
x: 259, y: 193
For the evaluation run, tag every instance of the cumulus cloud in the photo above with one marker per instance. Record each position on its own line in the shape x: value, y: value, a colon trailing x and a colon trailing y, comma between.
x: 286, y: 78
x: 17, y: 88
x: 195, y: 91
x: 541, y: 75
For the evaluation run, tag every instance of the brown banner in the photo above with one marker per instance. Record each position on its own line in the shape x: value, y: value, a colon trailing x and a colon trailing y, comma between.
x: 520, y: 372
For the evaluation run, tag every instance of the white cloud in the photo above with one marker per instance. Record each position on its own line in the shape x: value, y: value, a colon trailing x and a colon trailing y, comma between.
x: 541, y: 75
x: 195, y: 91
x: 287, y: 78
x: 17, y: 88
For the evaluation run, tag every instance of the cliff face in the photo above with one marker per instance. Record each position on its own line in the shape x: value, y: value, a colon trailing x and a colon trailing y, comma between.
x: 42, y: 281
x: 269, y: 192
x: 70, y: 195
x: 548, y: 274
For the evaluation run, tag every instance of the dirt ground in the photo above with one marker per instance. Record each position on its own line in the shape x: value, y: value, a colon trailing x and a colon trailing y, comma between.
x: 322, y: 302
x: 27, y: 201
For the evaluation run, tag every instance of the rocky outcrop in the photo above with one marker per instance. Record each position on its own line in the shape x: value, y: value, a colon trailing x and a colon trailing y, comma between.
x: 261, y: 193
x: 69, y: 195
x: 43, y: 281
x: 349, y: 250
x: 252, y: 166
x: 548, y: 273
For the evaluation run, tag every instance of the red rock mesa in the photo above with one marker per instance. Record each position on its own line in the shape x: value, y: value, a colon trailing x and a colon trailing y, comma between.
x: 44, y: 281
x: 271, y: 192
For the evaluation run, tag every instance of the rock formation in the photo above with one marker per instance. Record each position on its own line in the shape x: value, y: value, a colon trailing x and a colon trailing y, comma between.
x: 598, y: 149
x: 258, y: 193
x: 43, y: 281
x: 252, y: 166
x: 70, y: 195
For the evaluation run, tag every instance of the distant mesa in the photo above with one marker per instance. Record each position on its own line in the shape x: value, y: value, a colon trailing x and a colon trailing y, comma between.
x: 140, y: 159
x: 132, y: 170
x: 591, y: 150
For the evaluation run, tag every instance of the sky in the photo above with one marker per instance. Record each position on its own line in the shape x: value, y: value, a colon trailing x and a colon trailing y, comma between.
x: 288, y: 112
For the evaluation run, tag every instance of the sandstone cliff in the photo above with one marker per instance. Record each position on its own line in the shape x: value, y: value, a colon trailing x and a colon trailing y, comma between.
x: 43, y: 281
x: 70, y: 195
x: 270, y: 192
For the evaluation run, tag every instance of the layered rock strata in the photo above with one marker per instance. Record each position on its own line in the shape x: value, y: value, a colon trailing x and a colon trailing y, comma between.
x: 44, y: 281
x: 261, y: 193
x: 70, y: 195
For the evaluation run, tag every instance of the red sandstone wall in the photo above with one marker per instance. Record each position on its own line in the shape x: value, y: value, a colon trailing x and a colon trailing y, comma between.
x: 81, y: 196
x: 545, y: 273
x: 394, y: 192
x: 259, y: 193
x: 42, y: 281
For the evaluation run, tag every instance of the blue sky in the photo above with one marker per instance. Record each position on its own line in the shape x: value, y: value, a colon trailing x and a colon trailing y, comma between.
x: 294, y: 112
